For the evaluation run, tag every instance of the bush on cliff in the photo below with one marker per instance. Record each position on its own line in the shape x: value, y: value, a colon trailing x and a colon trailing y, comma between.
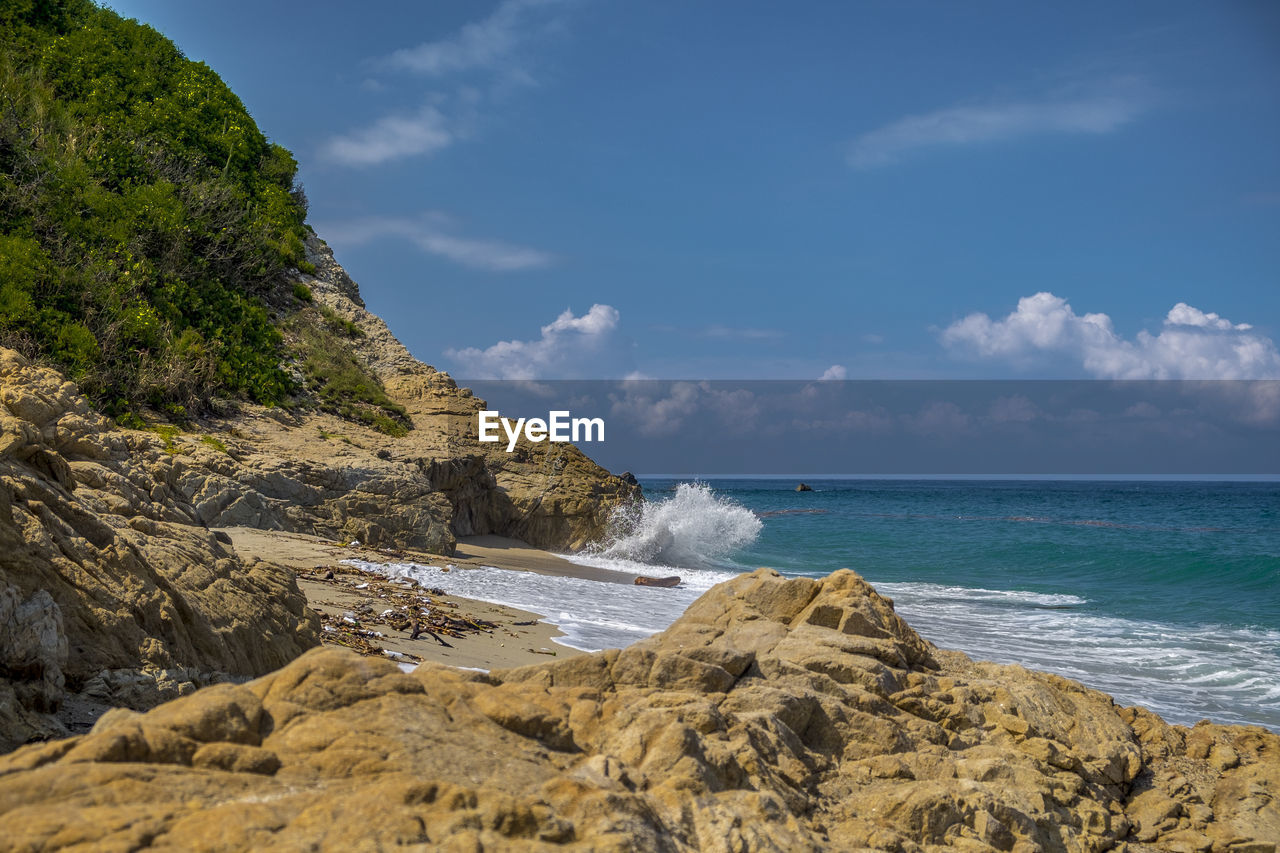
x: 146, y: 224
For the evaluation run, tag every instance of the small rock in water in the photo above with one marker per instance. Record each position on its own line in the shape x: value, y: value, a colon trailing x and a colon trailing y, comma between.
x: 804, y: 487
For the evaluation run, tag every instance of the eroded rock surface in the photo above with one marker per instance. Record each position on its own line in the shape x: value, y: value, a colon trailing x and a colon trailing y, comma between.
x: 109, y: 595
x: 307, y: 472
x: 783, y: 715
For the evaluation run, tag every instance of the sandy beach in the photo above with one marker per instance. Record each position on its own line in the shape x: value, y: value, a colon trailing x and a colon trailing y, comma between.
x: 502, y: 637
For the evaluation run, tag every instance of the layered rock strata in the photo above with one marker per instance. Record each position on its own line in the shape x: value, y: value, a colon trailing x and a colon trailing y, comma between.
x: 109, y: 595
x: 781, y: 715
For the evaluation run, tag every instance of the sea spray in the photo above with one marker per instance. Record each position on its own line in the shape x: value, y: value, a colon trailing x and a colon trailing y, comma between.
x: 694, y: 528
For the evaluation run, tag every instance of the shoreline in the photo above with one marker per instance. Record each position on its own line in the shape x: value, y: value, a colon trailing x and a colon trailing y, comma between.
x: 517, y: 636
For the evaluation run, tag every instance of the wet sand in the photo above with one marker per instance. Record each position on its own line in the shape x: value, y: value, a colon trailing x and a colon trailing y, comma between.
x: 334, y: 590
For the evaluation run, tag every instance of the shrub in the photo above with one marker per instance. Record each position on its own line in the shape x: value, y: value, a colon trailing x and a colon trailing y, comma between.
x: 145, y: 220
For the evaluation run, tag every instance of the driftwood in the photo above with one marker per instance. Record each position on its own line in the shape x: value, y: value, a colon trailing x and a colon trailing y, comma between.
x: 671, y: 581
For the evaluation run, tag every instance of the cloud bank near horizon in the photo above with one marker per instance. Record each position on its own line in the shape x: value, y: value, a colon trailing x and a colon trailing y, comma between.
x: 1191, y: 344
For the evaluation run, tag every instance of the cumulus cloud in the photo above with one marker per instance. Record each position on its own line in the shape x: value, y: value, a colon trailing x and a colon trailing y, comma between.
x: 1104, y: 109
x: 1192, y: 344
x: 433, y: 234
x: 835, y: 372
x: 569, y: 347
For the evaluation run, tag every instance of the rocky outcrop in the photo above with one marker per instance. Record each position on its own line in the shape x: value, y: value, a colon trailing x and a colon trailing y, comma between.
x: 307, y: 472
x: 781, y: 715
x: 549, y: 495
x: 109, y: 595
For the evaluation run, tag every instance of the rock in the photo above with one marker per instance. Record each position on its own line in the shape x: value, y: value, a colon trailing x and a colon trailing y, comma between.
x: 804, y: 487
x: 775, y: 714
x: 628, y: 478
x: 307, y: 472
x: 109, y: 595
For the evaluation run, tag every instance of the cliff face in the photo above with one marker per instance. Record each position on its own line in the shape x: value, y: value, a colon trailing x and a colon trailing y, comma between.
x: 108, y: 594
x: 308, y: 472
x: 774, y: 715
x: 550, y: 495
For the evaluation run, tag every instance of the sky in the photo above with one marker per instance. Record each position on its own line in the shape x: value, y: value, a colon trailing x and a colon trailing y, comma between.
x: 564, y: 189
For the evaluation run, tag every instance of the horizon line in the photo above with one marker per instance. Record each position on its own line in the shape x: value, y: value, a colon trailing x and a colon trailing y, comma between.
x: 1083, y: 477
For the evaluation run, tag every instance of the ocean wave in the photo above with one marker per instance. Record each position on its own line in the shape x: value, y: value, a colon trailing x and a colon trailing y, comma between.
x: 1184, y: 673
x: 694, y: 528
x: 939, y: 592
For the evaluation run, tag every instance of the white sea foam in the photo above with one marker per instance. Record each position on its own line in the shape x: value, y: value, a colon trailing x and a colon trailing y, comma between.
x: 693, y: 527
x: 593, y: 615
x: 1230, y: 675
x: 1183, y: 673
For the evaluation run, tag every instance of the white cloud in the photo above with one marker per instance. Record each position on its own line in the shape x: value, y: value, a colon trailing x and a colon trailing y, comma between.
x: 1107, y: 108
x: 432, y: 234
x: 481, y: 45
x: 569, y: 348
x: 1191, y: 345
x: 834, y: 372
x: 393, y: 137
x: 488, y: 47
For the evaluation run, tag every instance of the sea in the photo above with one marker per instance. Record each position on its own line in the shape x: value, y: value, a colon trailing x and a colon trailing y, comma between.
x: 1162, y: 593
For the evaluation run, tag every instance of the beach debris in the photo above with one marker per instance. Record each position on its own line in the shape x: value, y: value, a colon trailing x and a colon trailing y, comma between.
x: 674, y: 580
x: 543, y: 652
x: 526, y: 622
x: 389, y: 605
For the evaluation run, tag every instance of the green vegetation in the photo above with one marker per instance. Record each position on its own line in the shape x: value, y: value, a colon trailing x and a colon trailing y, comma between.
x: 146, y: 224
x: 148, y: 229
x: 214, y: 442
x: 341, y: 384
x: 167, y: 433
x: 340, y: 325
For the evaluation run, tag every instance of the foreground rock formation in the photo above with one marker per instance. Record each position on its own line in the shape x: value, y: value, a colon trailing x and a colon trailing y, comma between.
x: 776, y: 714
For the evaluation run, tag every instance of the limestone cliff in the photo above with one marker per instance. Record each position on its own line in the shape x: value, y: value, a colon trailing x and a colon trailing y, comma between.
x: 780, y: 715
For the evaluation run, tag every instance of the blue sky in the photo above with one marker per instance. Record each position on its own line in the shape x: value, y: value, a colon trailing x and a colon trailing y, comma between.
x: 600, y: 188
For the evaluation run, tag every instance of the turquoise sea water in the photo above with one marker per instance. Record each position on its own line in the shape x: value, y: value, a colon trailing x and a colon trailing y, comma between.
x: 1162, y: 594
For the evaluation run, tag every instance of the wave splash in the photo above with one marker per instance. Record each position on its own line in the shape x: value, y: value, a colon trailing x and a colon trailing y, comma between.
x: 693, y: 528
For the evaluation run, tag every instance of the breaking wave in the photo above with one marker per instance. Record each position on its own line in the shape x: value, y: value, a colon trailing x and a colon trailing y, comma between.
x: 694, y: 528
